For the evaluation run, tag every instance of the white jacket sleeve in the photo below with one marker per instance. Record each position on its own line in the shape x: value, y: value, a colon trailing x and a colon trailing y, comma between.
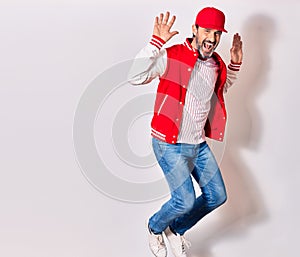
x: 232, y: 74
x: 149, y: 63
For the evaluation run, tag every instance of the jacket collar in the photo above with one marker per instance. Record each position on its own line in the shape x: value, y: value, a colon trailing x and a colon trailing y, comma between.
x: 187, y: 44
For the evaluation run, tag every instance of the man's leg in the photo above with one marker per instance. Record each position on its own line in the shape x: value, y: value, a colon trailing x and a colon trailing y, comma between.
x: 208, y: 175
x: 174, y: 161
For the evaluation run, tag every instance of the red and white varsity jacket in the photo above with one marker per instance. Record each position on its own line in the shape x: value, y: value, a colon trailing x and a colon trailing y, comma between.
x: 171, y: 92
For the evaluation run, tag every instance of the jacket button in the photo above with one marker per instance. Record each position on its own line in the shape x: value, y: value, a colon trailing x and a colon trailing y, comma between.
x: 173, y: 142
x: 177, y: 119
x: 189, y: 69
x: 174, y: 136
x: 180, y: 102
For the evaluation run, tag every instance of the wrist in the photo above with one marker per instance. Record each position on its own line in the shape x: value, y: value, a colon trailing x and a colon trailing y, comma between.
x: 157, y: 41
x: 235, y: 62
x: 234, y: 66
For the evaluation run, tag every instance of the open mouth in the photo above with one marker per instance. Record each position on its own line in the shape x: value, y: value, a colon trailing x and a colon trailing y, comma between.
x: 208, y: 46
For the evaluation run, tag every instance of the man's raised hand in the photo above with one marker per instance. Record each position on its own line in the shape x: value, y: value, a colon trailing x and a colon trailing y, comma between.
x: 236, y: 50
x: 163, y: 25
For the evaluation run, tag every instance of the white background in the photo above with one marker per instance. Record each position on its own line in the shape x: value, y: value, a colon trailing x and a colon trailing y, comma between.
x: 51, y: 50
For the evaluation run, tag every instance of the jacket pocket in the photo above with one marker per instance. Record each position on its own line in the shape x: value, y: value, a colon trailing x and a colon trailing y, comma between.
x: 162, y: 104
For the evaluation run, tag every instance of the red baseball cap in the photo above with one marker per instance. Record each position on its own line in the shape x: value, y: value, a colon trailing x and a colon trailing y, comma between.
x: 211, y: 18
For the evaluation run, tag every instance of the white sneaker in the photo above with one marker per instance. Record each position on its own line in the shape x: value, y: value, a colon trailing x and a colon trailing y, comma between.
x: 178, y: 243
x: 157, y: 244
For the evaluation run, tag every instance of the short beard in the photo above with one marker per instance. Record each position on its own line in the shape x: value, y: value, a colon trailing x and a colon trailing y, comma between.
x: 200, y: 51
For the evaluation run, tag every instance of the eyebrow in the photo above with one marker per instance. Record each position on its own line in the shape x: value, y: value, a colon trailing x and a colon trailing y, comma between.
x: 217, y: 31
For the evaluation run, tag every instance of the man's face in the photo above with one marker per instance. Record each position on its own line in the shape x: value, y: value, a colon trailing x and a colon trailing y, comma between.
x: 206, y: 40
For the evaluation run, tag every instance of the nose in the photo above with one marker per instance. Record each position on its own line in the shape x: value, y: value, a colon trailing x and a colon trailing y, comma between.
x: 212, y: 37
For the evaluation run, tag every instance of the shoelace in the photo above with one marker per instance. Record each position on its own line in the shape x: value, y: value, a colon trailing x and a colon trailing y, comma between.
x: 161, y: 242
x: 185, y: 244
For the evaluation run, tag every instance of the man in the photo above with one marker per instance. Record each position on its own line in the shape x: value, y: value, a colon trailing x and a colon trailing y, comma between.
x: 189, y: 107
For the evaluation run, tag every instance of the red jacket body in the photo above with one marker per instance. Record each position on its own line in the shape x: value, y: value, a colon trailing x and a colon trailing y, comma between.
x: 171, y: 92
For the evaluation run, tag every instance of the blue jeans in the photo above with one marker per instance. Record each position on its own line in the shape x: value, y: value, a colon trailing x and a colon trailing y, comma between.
x: 180, y: 162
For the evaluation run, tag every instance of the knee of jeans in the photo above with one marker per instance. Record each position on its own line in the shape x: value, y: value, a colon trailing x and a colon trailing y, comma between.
x: 186, y: 204
x: 189, y: 203
x: 221, y: 199
x: 217, y: 200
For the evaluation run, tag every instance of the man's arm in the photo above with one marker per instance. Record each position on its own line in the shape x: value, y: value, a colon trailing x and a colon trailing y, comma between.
x: 236, y: 53
x: 151, y: 61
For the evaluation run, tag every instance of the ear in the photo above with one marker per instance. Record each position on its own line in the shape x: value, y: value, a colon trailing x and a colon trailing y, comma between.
x: 194, y: 29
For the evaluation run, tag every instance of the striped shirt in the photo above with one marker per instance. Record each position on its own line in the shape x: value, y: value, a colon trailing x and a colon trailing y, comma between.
x: 197, y: 101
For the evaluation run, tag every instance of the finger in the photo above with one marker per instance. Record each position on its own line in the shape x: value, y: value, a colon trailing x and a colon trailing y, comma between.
x: 238, y: 37
x: 171, y: 22
x: 161, y: 16
x: 166, y: 18
x: 156, y: 20
x: 174, y: 33
x: 238, y: 44
x: 236, y: 40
